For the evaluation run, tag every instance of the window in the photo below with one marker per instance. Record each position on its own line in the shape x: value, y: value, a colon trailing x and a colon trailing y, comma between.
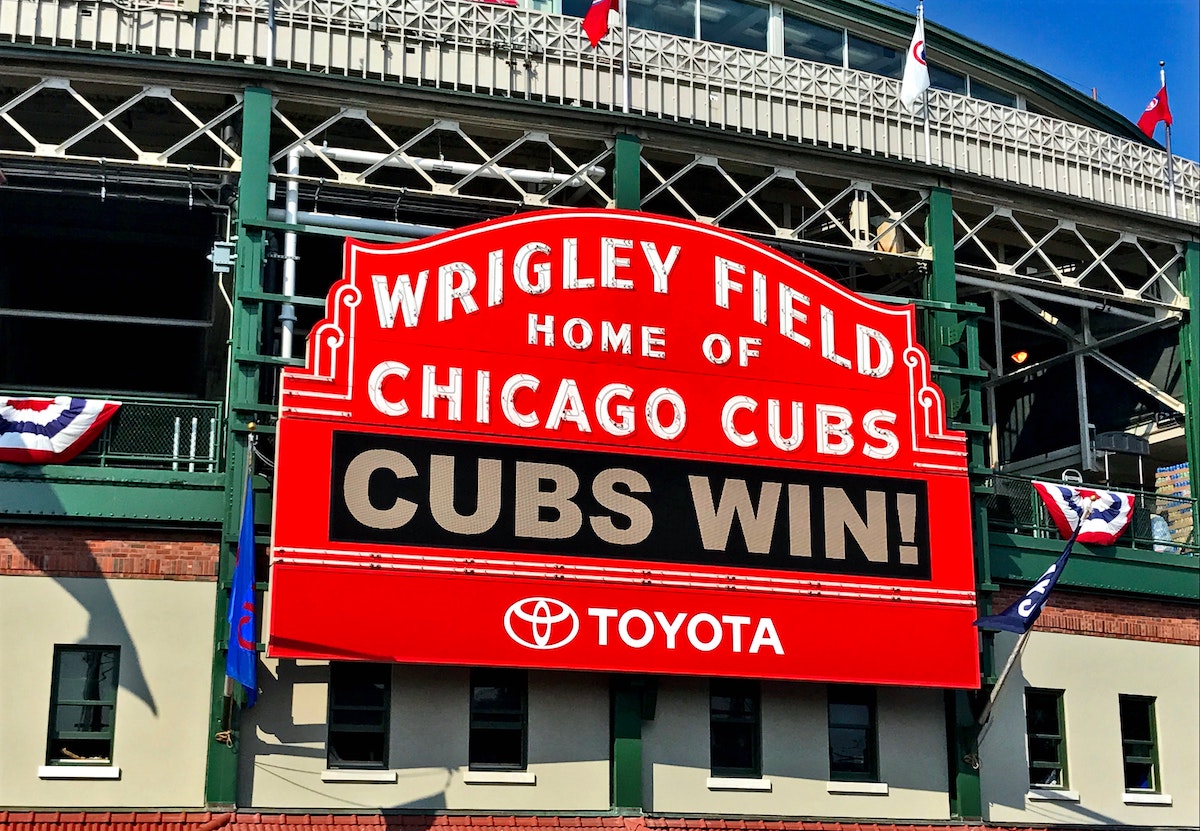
x: 811, y: 41
x: 737, y: 23
x: 668, y: 18
x: 873, y: 57
x: 360, y: 698
x: 499, y: 719
x: 735, y: 728
x: 945, y: 79
x: 984, y: 92
x: 853, y: 740
x: 83, y: 703
x: 734, y: 23
x: 1047, y: 745
x: 574, y: 8
x: 1138, y: 746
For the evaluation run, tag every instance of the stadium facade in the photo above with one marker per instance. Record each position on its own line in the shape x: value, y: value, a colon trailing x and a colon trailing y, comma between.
x: 624, y: 436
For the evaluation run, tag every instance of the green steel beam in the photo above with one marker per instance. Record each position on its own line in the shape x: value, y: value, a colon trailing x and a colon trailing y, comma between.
x: 54, y: 491
x: 627, y: 172
x: 627, y: 695
x: 1023, y: 559
x: 953, y: 346
x: 627, y: 712
x: 1189, y: 341
x: 221, y: 774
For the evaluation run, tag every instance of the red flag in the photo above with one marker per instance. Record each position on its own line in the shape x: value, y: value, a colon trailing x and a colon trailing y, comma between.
x: 1157, y: 110
x: 595, y: 22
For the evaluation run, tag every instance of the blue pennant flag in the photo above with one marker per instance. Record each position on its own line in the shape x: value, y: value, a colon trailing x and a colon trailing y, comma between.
x: 1019, y: 617
x: 241, y: 660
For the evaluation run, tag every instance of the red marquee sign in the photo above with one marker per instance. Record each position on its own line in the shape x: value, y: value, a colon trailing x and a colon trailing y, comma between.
x: 605, y: 440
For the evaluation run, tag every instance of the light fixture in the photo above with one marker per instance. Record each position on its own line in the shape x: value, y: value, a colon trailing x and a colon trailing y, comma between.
x: 1019, y: 357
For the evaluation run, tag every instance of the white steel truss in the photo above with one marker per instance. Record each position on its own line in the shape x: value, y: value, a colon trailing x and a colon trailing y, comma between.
x: 442, y: 159
x: 1099, y: 258
x: 110, y: 122
x: 521, y: 54
x: 505, y: 166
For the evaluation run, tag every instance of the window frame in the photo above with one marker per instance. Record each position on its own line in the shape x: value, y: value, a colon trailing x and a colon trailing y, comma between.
x: 1059, y: 738
x: 481, y: 719
x: 862, y: 696
x: 333, y: 726
x: 1150, y: 760
x: 54, y: 736
x: 741, y: 688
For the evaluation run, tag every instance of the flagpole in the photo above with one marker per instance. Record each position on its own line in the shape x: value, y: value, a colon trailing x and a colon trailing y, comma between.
x: 991, y: 702
x: 1162, y: 77
x: 925, y: 95
x: 1020, y: 645
x: 625, y: 81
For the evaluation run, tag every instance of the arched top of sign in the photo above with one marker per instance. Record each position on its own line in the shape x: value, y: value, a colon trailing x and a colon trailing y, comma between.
x: 625, y: 330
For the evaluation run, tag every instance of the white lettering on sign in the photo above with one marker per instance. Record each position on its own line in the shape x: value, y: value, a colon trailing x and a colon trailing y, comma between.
x: 702, y: 631
x: 523, y: 404
x: 532, y: 271
x: 834, y: 434
x: 536, y: 267
x: 579, y: 334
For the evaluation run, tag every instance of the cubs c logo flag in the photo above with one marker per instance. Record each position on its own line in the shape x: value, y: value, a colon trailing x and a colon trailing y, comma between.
x: 43, y: 431
x: 595, y: 22
x: 1157, y: 110
x: 916, y: 71
x: 1109, y: 517
x: 241, y: 659
x: 1020, y: 616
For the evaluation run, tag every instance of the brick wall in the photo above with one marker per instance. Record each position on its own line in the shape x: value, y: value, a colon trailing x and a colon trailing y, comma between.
x: 113, y: 553
x: 1105, y: 616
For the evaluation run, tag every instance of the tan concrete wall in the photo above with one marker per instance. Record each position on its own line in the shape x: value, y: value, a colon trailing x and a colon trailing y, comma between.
x: 164, y: 629
x: 1093, y: 672
x: 284, y: 744
x: 795, y: 755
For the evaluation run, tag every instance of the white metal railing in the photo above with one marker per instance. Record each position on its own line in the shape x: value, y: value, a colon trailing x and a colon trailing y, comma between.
x: 517, y: 53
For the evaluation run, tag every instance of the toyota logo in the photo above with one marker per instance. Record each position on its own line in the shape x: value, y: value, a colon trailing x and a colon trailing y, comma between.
x: 541, y: 623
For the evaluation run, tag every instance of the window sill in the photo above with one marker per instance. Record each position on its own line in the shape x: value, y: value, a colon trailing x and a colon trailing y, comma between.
x: 737, y: 783
x: 869, y: 788
x: 79, y: 772
x: 499, y: 777
x: 1147, y: 798
x: 1047, y: 795
x: 337, y: 775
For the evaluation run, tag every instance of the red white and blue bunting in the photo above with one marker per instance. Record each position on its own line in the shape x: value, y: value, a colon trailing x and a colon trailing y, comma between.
x: 39, y: 431
x: 1111, y: 511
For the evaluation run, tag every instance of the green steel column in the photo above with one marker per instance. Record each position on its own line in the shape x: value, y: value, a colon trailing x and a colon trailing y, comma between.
x: 627, y: 172
x: 942, y: 334
x: 626, y: 696
x: 941, y: 287
x: 1189, y: 336
x: 221, y: 779
x: 626, y: 744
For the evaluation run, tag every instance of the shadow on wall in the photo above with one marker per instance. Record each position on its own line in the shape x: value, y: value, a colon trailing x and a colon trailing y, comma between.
x: 71, y: 565
x: 277, y: 737
x: 1007, y: 786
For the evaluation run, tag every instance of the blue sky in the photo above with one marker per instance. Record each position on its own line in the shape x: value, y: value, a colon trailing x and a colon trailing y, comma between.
x: 1112, y: 45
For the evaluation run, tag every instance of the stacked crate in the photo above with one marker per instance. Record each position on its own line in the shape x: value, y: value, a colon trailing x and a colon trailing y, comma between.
x: 1174, y: 488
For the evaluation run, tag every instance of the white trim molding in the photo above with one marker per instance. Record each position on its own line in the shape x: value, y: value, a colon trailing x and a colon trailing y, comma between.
x: 1049, y: 795
x: 499, y: 777
x: 1136, y: 798
x: 79, y: 772
x: 737, y: 783
x: 869, y: 788
x: 388, y: 777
